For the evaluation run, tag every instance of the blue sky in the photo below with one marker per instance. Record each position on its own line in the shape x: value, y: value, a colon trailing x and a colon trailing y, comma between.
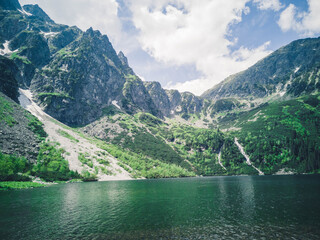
x: 191, y: 45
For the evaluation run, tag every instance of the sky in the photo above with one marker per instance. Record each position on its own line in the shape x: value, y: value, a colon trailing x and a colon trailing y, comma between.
x: 191, y: 45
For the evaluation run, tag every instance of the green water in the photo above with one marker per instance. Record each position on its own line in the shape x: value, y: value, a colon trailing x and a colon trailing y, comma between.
x: 266, y: 207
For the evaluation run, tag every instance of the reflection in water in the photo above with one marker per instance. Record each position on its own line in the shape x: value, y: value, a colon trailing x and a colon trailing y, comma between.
x: 191, y: 208
x: 248, y: 201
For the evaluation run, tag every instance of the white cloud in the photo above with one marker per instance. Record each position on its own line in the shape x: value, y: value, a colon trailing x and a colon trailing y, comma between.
x: 304, y: 23
x: 287, y: 18
x: 268, y: 4
x: 197, y: 86
x: 236, y: 62
x: 194, y: 32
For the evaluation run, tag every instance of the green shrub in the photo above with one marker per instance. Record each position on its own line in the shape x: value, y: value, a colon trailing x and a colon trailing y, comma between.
x: 51, y: 166
x: 12, y: 167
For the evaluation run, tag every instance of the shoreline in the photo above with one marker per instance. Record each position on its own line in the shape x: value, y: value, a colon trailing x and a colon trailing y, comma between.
x: 14, y: 185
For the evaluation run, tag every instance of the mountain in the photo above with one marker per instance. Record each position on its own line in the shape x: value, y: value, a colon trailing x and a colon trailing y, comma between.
x: 59, y: 63
x: 292, y: 70
x: 118, y: 126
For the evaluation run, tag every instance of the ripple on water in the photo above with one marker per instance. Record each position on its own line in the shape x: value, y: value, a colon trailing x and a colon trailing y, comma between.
x: 199, y: 208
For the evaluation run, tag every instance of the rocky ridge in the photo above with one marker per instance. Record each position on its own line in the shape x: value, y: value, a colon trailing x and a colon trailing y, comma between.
x: 290, y: 71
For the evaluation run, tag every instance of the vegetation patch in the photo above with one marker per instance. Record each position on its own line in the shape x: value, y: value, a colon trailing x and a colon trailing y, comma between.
x: 54, y: 94
x: 36, y: 126
x: 84, y: 159
x: 16, y: 55
x: 67, y: 135
x: 19, y: 185
x: 51, y: 166
x: 6, y: 112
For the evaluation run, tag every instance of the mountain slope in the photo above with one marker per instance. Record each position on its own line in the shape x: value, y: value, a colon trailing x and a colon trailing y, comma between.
x: 280, y: 134
x: 82, y: 155
x: 291, y: 70
x: 59, y: 64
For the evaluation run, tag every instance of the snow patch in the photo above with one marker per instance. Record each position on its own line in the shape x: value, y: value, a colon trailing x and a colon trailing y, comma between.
x: 49, y: 34
x: 246, y: 156
x: 115, y: 103
x: 219, y: 160
x: 64, y: 68
x: 24, y: 12
x: 6, y: 49
x: 297, y: 69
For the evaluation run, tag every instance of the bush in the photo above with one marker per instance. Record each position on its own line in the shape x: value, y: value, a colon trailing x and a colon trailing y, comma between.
x: 12, y: 167
x: 51, y: 166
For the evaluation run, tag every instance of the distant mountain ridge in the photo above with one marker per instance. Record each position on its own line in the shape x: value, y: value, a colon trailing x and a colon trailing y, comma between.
x: 291, y: 70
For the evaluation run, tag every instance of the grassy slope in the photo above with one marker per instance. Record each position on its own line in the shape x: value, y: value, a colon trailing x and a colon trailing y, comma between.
x: 279, y: 135
x: 147, y: 144
x: 275, y: 136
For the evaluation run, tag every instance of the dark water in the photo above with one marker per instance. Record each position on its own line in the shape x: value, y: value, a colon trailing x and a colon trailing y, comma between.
x: 266, y: 207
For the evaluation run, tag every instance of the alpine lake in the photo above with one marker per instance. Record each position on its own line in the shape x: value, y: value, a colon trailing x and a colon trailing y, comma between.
x: 235, y: 207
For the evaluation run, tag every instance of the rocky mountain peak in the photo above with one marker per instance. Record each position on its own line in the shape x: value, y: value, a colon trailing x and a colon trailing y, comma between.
x: 93, y: 33
x: 123, y: 58
x: 125, y: 65
x: 35, y: 10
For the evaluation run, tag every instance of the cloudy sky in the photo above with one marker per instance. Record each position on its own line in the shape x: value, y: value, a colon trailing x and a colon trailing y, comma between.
x: 191, y: 45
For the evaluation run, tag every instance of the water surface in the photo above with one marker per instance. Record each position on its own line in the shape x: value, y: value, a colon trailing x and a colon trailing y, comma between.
x: 244, y: 207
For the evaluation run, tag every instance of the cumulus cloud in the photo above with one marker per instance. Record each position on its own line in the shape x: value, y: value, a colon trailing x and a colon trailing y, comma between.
x: 269, y: 4
x: 223, y: 67
x: 194, y: 32
x: 304, y: 23
x: 101, y: 15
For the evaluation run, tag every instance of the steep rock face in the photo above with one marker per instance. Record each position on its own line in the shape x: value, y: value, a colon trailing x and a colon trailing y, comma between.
x: 59, y: 40
x: 190, y: 103
x: 125, y: 64
x: 33, y: 46
x: 137, y: 97
x: 171, y: 102
x: 159, y: 97
x: 9, y: 4
x: 84, y: 77
x: 22, y: 39
x: 80, y: 80
x: 8, y: 82
x: 293, y: 69
x: 184, y: 103
x: 11, y: 23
